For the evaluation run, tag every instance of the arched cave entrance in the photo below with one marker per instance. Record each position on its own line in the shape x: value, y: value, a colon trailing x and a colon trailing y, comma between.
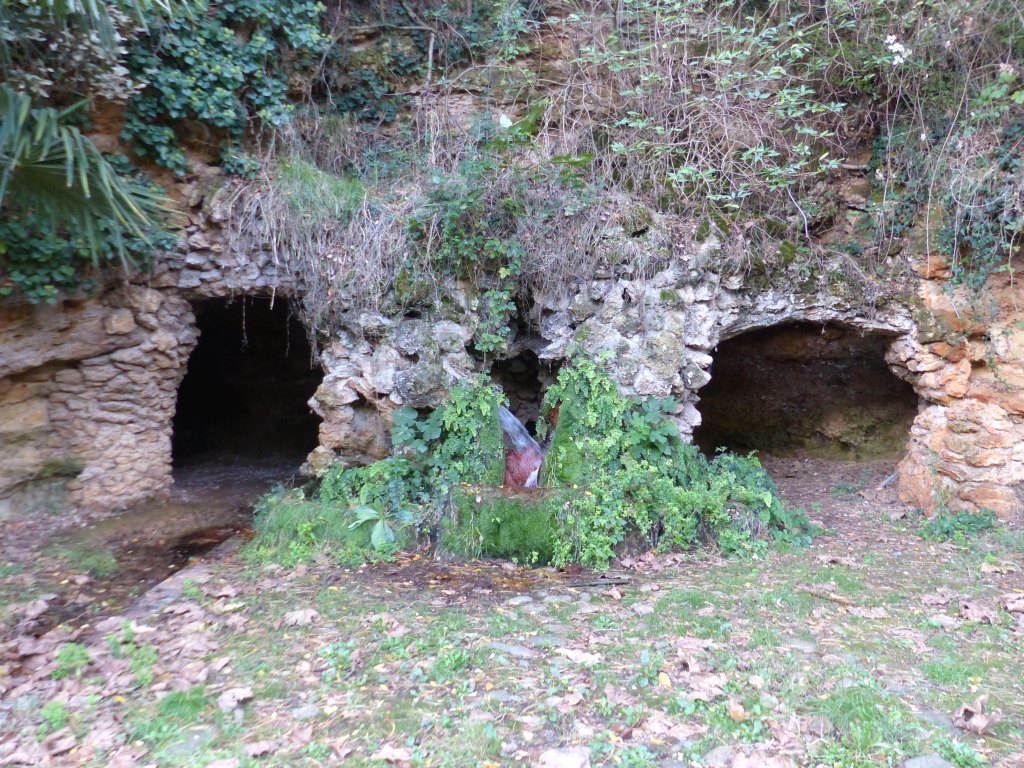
x: 806, y: 388
x: 524, y: 379
x: 243, y: 400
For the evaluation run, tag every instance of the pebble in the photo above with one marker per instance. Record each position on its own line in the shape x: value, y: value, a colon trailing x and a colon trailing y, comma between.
x: 801, y: 645
x: 501, y: 697
x: 552, y: 599
x: 306, y: 712
x: 719, y: 757
x: 564, y: 757
x: 511, y: 649
x: 519, y: 600
x: 927, y: 761
x: 193, y: 740
x: 940, y: 719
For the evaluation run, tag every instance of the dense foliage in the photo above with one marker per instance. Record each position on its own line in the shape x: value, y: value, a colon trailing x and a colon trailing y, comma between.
x: 617, y: 475
x: 64, y: 205
x: 226, y: 66
x: 740, y: 115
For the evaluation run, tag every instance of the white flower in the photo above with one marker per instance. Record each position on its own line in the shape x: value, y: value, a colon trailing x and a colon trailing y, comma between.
x: 505, y: 121
x: 900, y: 52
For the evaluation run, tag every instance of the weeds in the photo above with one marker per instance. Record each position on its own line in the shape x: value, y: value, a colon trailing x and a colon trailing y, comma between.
x: 867, y: 721
x: 957, y: 527
x: 72, y: 659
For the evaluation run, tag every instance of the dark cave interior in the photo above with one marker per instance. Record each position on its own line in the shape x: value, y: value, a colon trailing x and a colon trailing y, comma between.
x: 823, y: 390
x: 247, y: 385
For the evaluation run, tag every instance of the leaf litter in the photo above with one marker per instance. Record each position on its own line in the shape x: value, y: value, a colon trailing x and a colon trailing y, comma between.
x: 391, y: 662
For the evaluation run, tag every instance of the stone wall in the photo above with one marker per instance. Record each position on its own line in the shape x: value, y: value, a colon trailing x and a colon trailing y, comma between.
x: 88, y: 388
x: 966, y: 360
x: 87, y: 393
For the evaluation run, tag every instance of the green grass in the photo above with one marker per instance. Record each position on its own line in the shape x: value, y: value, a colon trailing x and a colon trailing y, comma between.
x: 98, y: 563
x: 950, y: 670
x: 867, y: 720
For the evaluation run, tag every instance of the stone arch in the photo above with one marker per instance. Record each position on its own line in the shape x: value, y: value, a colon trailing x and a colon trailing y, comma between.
x: 819, y: 388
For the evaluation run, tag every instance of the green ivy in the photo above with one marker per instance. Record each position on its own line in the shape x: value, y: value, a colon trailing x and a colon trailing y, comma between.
x: 226, y: 66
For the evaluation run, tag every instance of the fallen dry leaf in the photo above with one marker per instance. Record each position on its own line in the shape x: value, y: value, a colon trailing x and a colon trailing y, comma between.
x: 944, y: 621
x: 761, y: 759
x: 1013, y: 603
x: 232, y: 697
x: 301, y: 618
x: 869, y: 612
x: 979, y: 613
x: 941, y: 596
x: 736, y: 711
x: 580, y: 657
x: 972, y: 717
x: 1000, y: 566
x: 260, y: 748
x: 392, y: 754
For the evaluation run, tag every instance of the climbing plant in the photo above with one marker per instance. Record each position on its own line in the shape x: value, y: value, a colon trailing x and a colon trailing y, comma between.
x: 228, y: 66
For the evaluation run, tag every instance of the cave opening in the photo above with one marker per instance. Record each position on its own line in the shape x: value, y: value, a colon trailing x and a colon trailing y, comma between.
x: 243, y: 400
x: 806, y: 389
x: 524, y: 378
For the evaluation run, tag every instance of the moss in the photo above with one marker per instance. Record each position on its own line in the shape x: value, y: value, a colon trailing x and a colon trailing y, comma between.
x: 509, y: 523
x: 492, y: 450
x: 59, y: 468
x: 787, y: 252
x: 667, y: 296
x: 411, y: 288
x: 636, y: 220
x: 564, y: 463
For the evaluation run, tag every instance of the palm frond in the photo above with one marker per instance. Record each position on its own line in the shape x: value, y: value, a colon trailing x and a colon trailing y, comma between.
x: 50, y: 168
x: 94, y: 15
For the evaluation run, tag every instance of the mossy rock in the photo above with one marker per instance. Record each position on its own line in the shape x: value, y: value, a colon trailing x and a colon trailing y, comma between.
x: 492, y: 451
x: 636, y: 220
x: 564, y: 463
x: 507, y: 523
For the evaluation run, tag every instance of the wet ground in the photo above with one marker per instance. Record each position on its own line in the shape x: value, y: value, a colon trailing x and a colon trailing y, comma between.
x: 93, y: 568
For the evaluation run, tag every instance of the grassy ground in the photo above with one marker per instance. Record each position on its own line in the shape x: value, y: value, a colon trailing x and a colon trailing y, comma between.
x: 860, y: 650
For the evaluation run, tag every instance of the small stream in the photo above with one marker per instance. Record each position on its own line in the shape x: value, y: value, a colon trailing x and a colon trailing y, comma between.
x: 212, y: 501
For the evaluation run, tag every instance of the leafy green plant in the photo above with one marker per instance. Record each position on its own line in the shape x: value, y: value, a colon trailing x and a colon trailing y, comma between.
x: 637, y: 477
x: 72, y: 659
x: 142, y: 658
x: 221, y: 65
x: 959, y: 753
x: 67, y: 208
x: 55, y: 716
x: 959, y: 527
x: 382, y: 532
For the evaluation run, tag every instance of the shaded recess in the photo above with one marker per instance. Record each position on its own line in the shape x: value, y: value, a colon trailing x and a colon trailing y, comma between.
x: 248, y: 382
x: 524, y: 379
x: 823, y: 390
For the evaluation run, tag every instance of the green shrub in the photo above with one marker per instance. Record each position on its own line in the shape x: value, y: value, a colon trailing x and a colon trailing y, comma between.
x: 223, y: 65
x: 616, y: 471
x: 640, y: 479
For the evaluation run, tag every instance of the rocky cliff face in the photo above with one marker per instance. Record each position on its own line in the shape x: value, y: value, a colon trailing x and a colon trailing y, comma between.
x: 88, y: 388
